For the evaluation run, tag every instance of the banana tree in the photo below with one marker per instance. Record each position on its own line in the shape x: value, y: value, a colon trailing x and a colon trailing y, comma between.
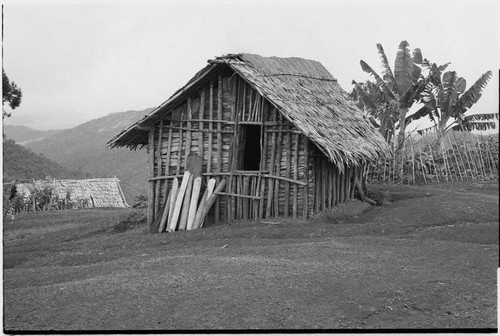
x: 447, y: 100
x: 400, y: 88
x: 382, y: 110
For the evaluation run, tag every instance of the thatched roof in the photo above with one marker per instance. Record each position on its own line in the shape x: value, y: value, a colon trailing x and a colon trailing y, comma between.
x: 303, y: 91
x: 98, y: 192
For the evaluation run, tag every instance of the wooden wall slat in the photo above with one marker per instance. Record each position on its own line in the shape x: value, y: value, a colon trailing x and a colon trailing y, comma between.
x: 305, y: 210
x: 288, y: 165
x: 219, y: 145
x: 277, y: 184
x: 158, y: 171
x: 151, y: 159
x: 270, y: 181
x: 201, y: 125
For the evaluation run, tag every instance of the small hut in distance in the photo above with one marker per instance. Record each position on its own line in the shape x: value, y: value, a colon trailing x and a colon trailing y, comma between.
x: 85, y: 193
x: 281, y: 131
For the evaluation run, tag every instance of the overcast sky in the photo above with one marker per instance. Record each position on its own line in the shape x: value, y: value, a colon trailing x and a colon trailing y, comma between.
x: 77, y: 62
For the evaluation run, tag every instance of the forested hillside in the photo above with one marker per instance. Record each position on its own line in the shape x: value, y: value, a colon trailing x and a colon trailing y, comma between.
x: 20, y: 163
x: 84, y: 148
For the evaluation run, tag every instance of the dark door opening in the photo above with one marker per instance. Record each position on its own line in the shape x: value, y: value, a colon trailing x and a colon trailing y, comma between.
x: 251, y: 147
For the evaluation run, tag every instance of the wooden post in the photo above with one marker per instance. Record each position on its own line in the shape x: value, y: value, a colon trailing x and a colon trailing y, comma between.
x: 324, y: 183
x: 233, y: 151
x: 481, y: 161
x: 219, y: 143
x: 422, y: 166
x: 201, y: 117
x: 493, y: 164
x: 246, y: 187
x: 359, y: 175
x: 317, y: 183
x: 434, y: 163
x: 470, y: 161
x: 413, y: 162
x: 169, y: 150
x: 354, y: 175
x: 210, y: 127
x: 330, y: 187
x: 295, y: 175
x: 151, y: 192
x: 259, y: 206
x: 158, y: 171
x: 341, y: 186
x: 250, y: 111
x: 287, y: 172
x: 305, y: 211
x: 188, y: 133
x: 270, y: 181
x: 243, y: 110
x: 336, y: 191
x: 278, y: 170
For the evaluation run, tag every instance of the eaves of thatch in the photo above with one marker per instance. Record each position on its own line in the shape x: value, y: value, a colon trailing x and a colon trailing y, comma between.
x: 303, y: 91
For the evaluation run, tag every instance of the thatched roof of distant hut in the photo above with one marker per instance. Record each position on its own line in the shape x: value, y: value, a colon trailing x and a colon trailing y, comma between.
x: 302, y: 90
x: 97, y: 192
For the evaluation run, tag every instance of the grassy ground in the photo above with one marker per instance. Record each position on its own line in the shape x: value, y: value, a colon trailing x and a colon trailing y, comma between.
x: 426, y: 258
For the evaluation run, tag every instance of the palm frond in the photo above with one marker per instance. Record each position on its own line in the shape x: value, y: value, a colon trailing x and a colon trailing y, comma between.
x: 448, y: 96
x: 387, y: 74
x: 429, y: 98
x: 435, y: 72
x: 472, y: 95
x: 421, y: 112
x: 403, y: 68
x: 482, y: 117
x: 413, y: 94
x: 380, y: 82
x: 363, y: 97
x: 427, y: 130
x: 417, y: 60
x: 461, y: 85
x: 475, y: 126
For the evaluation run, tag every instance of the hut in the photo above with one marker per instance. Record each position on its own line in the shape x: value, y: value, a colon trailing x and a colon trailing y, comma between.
x: 69, y: 193
x: 280, y: 131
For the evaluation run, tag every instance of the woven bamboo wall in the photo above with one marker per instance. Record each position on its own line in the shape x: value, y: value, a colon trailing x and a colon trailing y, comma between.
x: 295, y: 179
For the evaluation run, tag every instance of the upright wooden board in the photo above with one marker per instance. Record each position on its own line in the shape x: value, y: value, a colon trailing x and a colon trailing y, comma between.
x: 201, y: 215
x: 154, y: 227
x: 193, y: 203
x: 163, y: 215
x: 185, y: 204
x: 210, y: 189
x: 175, y: 189
x: 178, y: 201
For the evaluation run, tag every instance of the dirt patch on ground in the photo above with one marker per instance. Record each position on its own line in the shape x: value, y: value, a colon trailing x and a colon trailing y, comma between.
x: 427, y: 258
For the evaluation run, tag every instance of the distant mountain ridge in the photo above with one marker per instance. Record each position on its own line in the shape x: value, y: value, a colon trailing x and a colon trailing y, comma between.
x: 20, y: 163
x: 22, y: 134
x: 83, y: 148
